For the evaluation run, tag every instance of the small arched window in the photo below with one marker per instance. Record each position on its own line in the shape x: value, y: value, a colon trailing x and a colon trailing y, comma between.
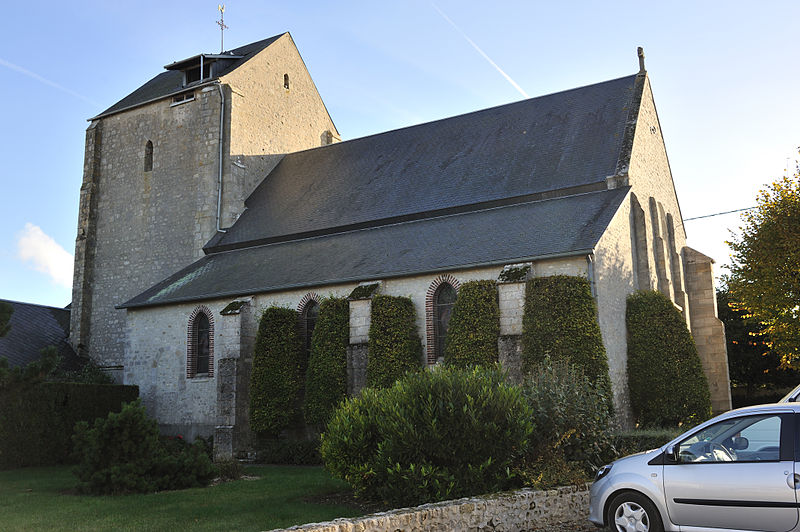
x: 308, y: 322
x: 443, y: 301
x: 200, y: 353
x: 286, y: 81
x: 148, y: 156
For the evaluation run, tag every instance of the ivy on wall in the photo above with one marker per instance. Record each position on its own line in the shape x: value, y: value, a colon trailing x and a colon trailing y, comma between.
x: 326, y: 379
x: 560, y: 322
x: 278, y: 367
x: 394, y: 345
x: 665, y: 376
x: 474, y: 327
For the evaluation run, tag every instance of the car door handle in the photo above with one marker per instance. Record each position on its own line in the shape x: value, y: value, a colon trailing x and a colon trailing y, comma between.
x: 793, y: 481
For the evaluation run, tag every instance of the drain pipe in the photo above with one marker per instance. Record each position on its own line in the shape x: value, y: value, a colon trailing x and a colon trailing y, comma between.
x: 590, y: 273
x: 221, y: 140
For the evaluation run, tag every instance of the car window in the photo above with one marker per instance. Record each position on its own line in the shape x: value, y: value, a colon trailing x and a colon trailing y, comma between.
x: 744, y: 439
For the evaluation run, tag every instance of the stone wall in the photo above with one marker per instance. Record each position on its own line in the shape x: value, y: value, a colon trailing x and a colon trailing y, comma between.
x: 708, y: 331
x: 138, y: 226
x: 513, y: 511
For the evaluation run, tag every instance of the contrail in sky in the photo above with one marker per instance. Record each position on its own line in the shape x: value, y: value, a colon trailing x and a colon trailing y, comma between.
x: 477, y: 48
x: 46, y: 81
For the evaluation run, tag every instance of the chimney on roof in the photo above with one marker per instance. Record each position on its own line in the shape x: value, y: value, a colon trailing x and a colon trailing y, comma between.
x: 640, y: 53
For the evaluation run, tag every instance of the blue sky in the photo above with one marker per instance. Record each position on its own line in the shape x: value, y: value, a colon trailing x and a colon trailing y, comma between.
x: 724, y: 76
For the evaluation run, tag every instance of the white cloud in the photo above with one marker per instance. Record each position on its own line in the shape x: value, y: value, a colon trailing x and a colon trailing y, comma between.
x: 45, y: 254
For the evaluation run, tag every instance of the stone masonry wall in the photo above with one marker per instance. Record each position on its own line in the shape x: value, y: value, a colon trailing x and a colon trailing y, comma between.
x: 512, y: 512
x: 137, y: 227
x: 268, y: 120
x: 146, y: 225
x: 613, y: 281
x: 708, y: 331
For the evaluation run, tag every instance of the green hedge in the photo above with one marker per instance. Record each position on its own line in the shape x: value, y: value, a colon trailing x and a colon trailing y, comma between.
x: 637, y: 441
x: 665, y: 377
x: 37, y: 420
x: 278, y: 367
x: 560, y: 322
x: 433, y: 435
x: 326, y: 379
x: 474, y: 327
x: 394, y: 346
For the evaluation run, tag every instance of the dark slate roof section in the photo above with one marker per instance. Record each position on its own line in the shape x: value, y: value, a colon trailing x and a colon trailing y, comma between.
x: 563, y: 140
x: 34, y: 327
x: 171, y: 81
x: 557, y: 227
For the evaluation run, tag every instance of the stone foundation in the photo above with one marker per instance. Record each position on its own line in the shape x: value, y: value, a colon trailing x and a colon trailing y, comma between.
x: 511, y: 511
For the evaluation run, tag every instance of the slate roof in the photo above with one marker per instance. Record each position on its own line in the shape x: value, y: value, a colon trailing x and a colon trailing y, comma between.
x: 171, y: 81
x: 34, y: 327
x: 568, y: 139
x: 513, y: 183
x: 500, y: 235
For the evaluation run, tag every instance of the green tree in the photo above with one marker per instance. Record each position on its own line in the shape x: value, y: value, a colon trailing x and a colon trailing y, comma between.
x: 6, y: 310
x: 765, y: 271
x: 751, y: 363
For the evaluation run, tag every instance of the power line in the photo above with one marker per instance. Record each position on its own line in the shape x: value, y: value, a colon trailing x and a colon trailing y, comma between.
x: 718, y: 214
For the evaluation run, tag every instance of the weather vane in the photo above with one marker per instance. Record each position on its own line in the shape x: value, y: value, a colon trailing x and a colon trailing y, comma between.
x: 222, y: 27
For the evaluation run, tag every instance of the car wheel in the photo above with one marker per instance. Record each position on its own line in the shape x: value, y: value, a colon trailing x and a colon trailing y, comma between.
x: 633, y: 512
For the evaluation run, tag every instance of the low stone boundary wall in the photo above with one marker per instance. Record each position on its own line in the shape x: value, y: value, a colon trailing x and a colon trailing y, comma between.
x: 520, y: 510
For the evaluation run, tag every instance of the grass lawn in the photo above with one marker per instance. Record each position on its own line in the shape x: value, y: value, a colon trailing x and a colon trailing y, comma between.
x: 42, y: 499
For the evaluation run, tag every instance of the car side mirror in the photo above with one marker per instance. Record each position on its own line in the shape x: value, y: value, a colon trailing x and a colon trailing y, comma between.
x: 740, y: 443
x: 672, y: 453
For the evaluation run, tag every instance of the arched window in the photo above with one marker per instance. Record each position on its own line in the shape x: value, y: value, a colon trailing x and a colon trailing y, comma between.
x: 148, y: 156
x: 286, y: 81
x: 200, y: 342
x: 439, y: 302
x: 443, y: 301
x: 308, y: 322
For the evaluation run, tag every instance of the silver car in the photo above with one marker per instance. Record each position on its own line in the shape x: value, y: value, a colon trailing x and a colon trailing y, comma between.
x: 734, y: 472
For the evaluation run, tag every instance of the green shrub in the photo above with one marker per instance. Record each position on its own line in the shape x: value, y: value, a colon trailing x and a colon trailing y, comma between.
x: 636, y: 441
x: 289, y: 452
x: 326, y: 378
x: 434, y: 435
x: 37, y: 418
x: 123, y: 453
x: 665, y: 377
x: 560, y: 322
x: 394, y: 345
x: 277, y: 375
x: 571, y: 419
x: 474, y: 327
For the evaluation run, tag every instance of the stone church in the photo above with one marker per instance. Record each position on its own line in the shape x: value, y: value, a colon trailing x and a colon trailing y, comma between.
x: 221, y: 187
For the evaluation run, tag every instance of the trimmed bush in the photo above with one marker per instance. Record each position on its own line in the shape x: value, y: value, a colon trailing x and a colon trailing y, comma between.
x: 123, y: 453
x: 394, y: 345
x: 434, y: 435
x: 278, y: 369
x: 474, y: 327
x: 37, y: 419
x: 665, y: 377
x: 560, y: 322
x: 326, y: 378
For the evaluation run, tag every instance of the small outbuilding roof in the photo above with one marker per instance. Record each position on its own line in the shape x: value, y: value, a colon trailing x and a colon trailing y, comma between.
x: 34, y: 327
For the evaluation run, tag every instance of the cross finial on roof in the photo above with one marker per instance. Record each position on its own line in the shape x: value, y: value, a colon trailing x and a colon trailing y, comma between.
x: 640, y: 53
x: 222, y: 27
